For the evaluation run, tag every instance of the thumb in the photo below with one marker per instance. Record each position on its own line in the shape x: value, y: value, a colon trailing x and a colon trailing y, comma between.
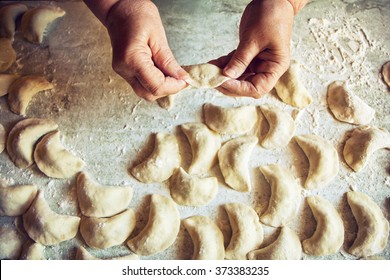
x: 242, y: 57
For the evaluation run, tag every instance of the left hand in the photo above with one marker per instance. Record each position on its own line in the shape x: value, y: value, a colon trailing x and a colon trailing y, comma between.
x: 263, y: 53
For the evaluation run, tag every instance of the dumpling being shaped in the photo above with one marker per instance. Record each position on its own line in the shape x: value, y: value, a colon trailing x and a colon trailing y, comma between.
x: 104, y: 233
x: 234, y: 160
x: 190, y: 190
x: 23, y: 89
x: 3, y: 138
x: 281, y: 127
x: 205, y: 144
x: 8, y: 16
x: 234, y: 120
x: 329, y: 234
x: 23, y: 137
x: 285, y: 196
x: 11, y: 243
x: 347, y: 107
x: 323, y: 160
x: 54, y: 160
x: 35, y: 22
x: 15, y: 200
x: 373, y: 227
x: 161, y: 163
x: 99, y: 201
x: 205, y: 75
x: 286, y: 247
x: 161, y: 230
x: 83, y: 254
x: 290, y: 88
x: 47, y: 227
x: 5, y: 82
x: 7, y: 54
x: 207, y: 238
x: 247, y: 231
x: 362, y: 143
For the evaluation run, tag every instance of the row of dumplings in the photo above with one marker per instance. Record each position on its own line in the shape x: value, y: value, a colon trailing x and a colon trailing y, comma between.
x: 107, y: 222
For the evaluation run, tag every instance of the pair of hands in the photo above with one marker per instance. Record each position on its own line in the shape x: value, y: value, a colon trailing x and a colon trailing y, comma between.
x: 141, y: 54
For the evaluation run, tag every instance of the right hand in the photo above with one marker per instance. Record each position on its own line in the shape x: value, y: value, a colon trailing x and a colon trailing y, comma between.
x: 141, y: 54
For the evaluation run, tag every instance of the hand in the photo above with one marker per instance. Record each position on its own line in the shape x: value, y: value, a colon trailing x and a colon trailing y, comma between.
x: 263, y: 53
x: 141, y: 54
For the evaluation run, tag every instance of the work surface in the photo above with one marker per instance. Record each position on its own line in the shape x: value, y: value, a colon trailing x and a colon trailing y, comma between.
x: 108, y: 126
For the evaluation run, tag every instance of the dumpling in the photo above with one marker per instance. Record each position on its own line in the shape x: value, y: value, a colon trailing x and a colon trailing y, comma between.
x: 54, y: 160
x: 104, y: 233
x: 3, y: 138
x: 329, y: 234
x: 23, y: 89
x: 83, y: 254
x: 286, y: 247
x: 363, y: 142
x: 5, y: 82
x: 285, y: 198
x: 98, y: 201
x: 247, y: 231
x: 235, y: 120
x: 14, y: 201
x: 386, y: 73
x: 290, y: 88
x: 33, y: 251
x: 323, y: 160
x: 163, y: 161
x: 281, y: 127
x: 166, y: 102
x: 207, y: 238
x: 234, y: 160
x: 205, y: 144
x: 23, y: 137
x: 36, y: 21
x: 373, y: 227
x: 7, y: 54
x: 347, y: 107
x: 205, y: 76
x: 190, y: 190
x: 47, y: 227
x: 11, y: 242
x: 161, y: 230
x: 8, y: 16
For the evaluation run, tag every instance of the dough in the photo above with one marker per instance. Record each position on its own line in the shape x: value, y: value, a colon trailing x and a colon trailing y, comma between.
x: 163, y: 161
x: 329, y: 234
x: 11, y: 242
x: 207, y: 238
x: 323, y: 159
x: 235, y: 120
x: 285, y: 198
x: 190, y: 190
x: 33, y: 251
x: 234, y: 162
x: 161, y: 230
x: 14, y: 201
x: 99, y: 201
x: 47, y: 227
x: 3, y: 138
x: 8, y: 16
x: 281, y: 127
x: 362, y: 143
x: 386, y: 73
x: 23, y: 137
x: 373, y: 227
x: 247, y: 231
x: 205, y: 76
x: 347, y: 107
x: 7, y: 54
x: 54, y: 160
x: 23, y: 89
x: 286, y: 247
x: 166, y: 102
x: 36, y: 21
x: 205, y: 144
x: 290, y: 88
x: 5, y: 82
x: 104, y: 233
x: 83, y: 254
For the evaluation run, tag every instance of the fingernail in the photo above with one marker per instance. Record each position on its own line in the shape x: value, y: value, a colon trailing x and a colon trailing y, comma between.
x: 230, y: 72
